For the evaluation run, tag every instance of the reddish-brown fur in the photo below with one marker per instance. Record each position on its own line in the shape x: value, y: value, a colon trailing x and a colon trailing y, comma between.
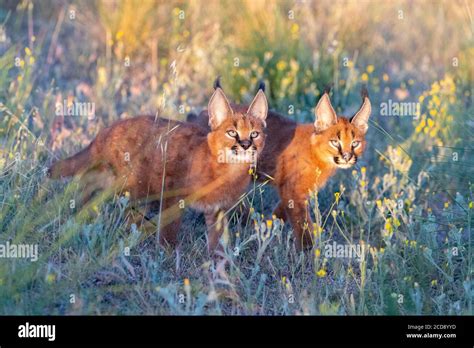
x: 300, y: 158
x: 174, y: 162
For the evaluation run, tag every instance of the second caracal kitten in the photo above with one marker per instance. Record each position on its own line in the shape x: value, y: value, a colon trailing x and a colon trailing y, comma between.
x: 176, y: 162
x: 302, y: 157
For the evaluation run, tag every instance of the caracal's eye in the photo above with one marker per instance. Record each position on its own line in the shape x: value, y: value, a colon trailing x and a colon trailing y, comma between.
x: 254, y: 134
x: 335, y: 143
x: 232, y: 133
x: 355, y: 143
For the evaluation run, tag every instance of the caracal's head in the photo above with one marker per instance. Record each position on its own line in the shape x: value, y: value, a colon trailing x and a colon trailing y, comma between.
x: 340, y: 141
x: 236, y: 136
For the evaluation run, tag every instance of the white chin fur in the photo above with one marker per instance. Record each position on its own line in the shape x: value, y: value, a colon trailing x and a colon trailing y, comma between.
x: 344, y: 165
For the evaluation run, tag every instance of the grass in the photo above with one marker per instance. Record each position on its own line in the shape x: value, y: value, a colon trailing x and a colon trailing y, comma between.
x: 409, y: 202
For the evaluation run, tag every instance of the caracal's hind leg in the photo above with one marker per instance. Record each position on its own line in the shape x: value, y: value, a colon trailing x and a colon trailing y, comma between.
x: 170, y: 222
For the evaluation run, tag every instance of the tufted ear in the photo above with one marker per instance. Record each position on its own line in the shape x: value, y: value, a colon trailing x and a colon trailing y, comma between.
x: 259, y: 106
x: 325, y: 116
x: 219, y: 108
x: 361, y: 118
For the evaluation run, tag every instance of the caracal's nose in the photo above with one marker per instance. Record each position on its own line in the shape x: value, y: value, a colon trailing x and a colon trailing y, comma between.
x: 245, y: 144
x: 347, y: 156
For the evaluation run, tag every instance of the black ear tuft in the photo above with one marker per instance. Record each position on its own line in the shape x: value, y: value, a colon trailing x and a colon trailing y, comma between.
x: 364, y: 93
x: 261, y: 86
x: 327, y: 89
x: 217, y: 82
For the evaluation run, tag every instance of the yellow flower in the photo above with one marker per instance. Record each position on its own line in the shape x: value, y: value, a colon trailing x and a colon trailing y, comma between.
x: 27, y: 51
x: 446, y: 205
x: 294, y: 28
x: 119, y: 35
x: 435, y: 88
x: 317, y: 253
x: 364, y: 77
x: 379, y: 203
x: 321, y: 273
x: 317, y: 230
x: 362, y: 183
x: 269, y: 224
x: 50, y: 278
x: 434, y: 282
x: 281, y: 65
x: 385, y: 77
x: 102, y: 75
x: 370, y: 69
x: 363, y: 170
x: 186, y: 282
x: 337, y: 195
x: 471, y: 205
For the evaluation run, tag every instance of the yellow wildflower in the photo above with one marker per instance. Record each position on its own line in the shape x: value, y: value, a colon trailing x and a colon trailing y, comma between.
x: 294, y: 28
x: 269, y: 224
x: 281, y: 65
x: 321, y: 273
